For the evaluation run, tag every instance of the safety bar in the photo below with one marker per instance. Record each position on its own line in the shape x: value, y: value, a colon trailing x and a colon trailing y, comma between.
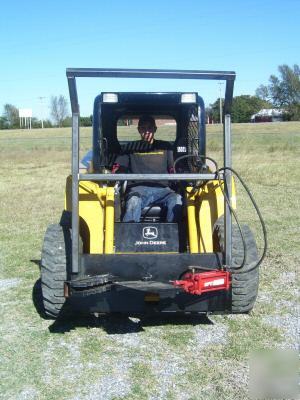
x: 148, y: 177
x: 73, y: 73
x: 148, y: 73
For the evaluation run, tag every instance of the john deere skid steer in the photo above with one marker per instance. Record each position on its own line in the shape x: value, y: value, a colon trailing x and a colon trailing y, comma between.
x: 93, y: 262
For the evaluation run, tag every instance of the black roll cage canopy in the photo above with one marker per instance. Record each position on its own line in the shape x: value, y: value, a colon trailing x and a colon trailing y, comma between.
x: 73, y: 73
x: 106, y: 143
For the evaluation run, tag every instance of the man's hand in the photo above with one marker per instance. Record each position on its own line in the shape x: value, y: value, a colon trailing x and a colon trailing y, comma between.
x: 115, y: 168
x: 118, y: 169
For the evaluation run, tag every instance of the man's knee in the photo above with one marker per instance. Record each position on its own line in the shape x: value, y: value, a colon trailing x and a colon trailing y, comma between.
x: 134, y: 201
x: 174, y: 199
x: 133, y: 208
x: 174, y: 205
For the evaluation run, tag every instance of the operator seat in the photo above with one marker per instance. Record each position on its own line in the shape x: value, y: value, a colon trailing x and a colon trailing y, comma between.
x: 153, y: 213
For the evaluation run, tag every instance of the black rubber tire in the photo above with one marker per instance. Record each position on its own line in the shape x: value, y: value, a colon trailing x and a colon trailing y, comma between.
x: 245, y: 281
x: 55, y: 264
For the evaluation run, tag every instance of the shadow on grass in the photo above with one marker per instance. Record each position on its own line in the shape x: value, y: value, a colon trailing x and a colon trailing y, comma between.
x: 37, y: 299
x: 176, y: 319
x: 37, y: 262
x: 114, y: 323
x: 118, y: 324
x: 111, y: 324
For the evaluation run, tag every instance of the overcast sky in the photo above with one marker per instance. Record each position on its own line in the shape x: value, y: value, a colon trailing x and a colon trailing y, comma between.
x: 39, y: 40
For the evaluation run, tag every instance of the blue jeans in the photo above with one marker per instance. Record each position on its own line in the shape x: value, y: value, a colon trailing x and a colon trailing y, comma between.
x: 143, y: 196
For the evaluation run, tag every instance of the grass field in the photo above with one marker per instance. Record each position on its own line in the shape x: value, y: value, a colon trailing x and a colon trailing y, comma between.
x: 111, y: 358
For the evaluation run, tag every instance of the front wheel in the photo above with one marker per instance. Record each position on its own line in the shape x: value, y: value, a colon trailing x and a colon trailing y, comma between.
x: 55, y: 263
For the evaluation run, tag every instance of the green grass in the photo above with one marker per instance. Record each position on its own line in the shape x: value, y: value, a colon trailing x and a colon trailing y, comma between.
x: 77, y: 359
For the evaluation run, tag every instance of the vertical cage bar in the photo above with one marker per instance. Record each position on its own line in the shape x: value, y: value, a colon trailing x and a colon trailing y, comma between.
x: 75, y: 173
x: 228, y: 97
x: 228, y: 190
x: 75, y: 195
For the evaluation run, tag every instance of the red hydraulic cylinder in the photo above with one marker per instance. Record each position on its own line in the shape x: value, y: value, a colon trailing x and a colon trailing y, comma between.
x: 202, y: 282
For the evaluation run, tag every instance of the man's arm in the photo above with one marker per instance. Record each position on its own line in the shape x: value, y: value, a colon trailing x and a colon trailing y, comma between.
x: 85, y: 165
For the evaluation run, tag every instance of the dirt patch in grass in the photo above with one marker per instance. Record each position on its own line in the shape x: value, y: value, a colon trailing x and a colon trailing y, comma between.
x: 9, y: 283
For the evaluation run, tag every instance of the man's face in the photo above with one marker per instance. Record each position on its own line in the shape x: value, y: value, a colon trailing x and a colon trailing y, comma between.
x: 147, y: 130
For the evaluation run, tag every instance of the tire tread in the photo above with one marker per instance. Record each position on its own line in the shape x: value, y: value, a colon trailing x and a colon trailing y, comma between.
x: 54, y: 267
x: 245, y: 282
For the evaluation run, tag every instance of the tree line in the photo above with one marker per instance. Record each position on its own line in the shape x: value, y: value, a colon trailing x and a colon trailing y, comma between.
x: 282, y: 92
x: 59, y: 111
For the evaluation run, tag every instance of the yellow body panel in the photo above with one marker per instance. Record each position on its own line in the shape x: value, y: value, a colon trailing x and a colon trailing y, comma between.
x: 192, y: 221
x: 96, y: 215
x: 204, y: 207
x: 109, y: 220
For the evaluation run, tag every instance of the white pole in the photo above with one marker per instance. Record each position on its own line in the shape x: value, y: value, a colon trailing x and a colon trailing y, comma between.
x: 41, y: 98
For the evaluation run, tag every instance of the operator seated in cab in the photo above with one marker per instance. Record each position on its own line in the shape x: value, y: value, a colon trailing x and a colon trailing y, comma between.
x: 148, y: 156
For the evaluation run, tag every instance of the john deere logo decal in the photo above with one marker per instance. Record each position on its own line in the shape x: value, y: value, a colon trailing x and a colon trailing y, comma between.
x: 150, y: 232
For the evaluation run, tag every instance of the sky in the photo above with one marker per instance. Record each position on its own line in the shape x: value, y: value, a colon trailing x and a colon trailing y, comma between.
x: 39, y: 40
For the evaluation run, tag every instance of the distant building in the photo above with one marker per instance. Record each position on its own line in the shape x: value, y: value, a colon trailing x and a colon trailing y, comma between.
x: 268, y: 115
x: 159, y: 121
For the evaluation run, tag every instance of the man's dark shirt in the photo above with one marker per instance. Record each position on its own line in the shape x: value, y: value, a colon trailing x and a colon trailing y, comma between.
x: 141, y: 157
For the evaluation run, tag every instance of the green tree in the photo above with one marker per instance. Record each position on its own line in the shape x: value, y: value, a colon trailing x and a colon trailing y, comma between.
x: 86, y: 121
x: 3, y: 123
x: 213, y: 111
x: 35, y: 123
x: 242, y: 108
x: 284, y: 91
x: 67, y: 122
x: 11, y: 115
x: 59, y: 109
x: 47, y: 123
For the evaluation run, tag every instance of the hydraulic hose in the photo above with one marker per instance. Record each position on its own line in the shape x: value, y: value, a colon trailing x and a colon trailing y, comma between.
x: 218, y: 170
x: 263, y: 225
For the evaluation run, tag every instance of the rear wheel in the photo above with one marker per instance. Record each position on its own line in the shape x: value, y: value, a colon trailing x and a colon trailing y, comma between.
x: 244, y: 281
x: 55, y: 263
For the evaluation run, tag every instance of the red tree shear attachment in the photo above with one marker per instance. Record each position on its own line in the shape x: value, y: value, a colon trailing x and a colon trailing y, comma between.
x: 202, y: 282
